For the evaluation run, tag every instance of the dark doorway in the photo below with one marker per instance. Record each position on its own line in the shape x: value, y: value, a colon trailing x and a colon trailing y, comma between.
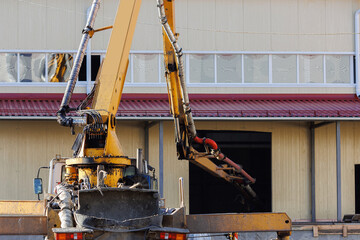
x: 252, y: 150
x: 357, y: 189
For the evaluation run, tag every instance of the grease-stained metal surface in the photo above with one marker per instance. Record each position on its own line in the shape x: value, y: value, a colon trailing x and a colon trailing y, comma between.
x: 22, y: 208
x: 244, y: 222
x: 23, y: 225
x: 118, y: 208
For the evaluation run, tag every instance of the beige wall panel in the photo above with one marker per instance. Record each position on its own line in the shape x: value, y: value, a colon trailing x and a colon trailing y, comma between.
x: 229, y: 17
x: 173, y: 169
x: 290, y: 162
x: 148, y: 28
x: 81, y: 10
x: 182, y: 21
x: 154, y: 148
x: 257, y: 26
x: 325, y: 171
x: 284, y: 25
x: 109, y: 11
x: 131, y: 136
x: 349, y: 158
x: 339, y: 19
x: 32, y: 24
x: 214, y: 25
x: 97, y: 41
x: 27, y: 145
x: 201, y: 25
x: 60, y: 27
x: 312, y: 20
x: 9, y: 18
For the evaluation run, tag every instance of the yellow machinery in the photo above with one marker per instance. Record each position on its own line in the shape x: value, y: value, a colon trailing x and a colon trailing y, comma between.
x: 110, y: 196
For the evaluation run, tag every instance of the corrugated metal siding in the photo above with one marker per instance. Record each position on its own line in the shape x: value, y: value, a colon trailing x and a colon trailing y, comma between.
x: 216, y: 25
x: 27, y: 145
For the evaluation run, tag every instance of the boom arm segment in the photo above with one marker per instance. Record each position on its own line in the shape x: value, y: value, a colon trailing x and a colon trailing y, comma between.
x: 180, y: 108
x: 97, y: 149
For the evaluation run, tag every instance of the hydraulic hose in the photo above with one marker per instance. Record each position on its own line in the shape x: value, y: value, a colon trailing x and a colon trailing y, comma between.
x: 74, y: 74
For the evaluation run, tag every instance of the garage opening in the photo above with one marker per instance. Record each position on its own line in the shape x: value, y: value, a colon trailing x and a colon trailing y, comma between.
x: 252, y: 150
x: 357, y: 188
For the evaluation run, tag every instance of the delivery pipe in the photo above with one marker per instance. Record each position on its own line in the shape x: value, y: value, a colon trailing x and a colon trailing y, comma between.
x: 213, y: 145
x: 74, y: 74
x: 357, y: 60
x: 179, y: 55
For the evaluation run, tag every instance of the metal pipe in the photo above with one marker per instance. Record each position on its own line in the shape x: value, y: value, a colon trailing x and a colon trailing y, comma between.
x: 357, y: 60
x: 338, y: 171
x: 76, y: 68
x: 161, y: 159
x: 65, y: 214
x: 88, y: 62
x: 139, y: 161
x: 181, y: 192
x: 179, y: 55
x: 51, y: 176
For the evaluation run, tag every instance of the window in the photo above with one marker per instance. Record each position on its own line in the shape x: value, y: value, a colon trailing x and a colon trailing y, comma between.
x: 146, y: 68
x: 228, y: 68
x: 311, y: 69
x: 284, y: 69
x: 59, y: 66
x: 202, y: 68
x: 256, y: 68
x: 223, y: 68
x: 95, y: 65
x: 32, y: 67
x: 337, y: 69
x: 8, y: 67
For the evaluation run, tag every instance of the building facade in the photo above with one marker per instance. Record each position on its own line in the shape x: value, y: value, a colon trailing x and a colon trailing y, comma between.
x: 295, y: 58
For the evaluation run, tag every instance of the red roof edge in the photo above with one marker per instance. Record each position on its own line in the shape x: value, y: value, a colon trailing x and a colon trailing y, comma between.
x: 164, y: 96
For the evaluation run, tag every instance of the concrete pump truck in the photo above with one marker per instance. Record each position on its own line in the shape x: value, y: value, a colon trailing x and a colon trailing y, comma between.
x: 100, y: 193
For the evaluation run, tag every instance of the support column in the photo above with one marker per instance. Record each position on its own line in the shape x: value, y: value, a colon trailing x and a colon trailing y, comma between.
x: 161, y: 159
x: 338, y: 171
x: 313, y: 126
x: 146, y: 143
x: 313, y: 197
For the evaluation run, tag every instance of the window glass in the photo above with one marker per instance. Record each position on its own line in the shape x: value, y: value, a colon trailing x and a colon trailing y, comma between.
x: 228, y: 68
x: 59, y: 67
x: 146, y: 68
x: 311, y: 69
x: 201, y: 68
x: 128, y: 72
x: 162, y: 68
x: 256, y: 68
x: 284, y: 68
x: 337, y: 69
x: 95, y: 66
x: 32, y: 67
x: 8, y: 67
